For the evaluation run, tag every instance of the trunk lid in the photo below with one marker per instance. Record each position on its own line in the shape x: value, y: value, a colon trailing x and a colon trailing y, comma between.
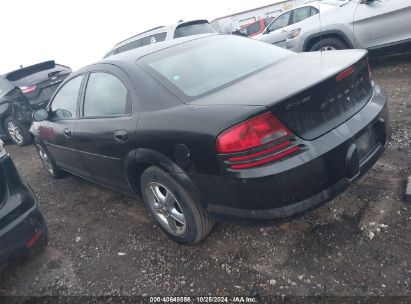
x: 303, y: 92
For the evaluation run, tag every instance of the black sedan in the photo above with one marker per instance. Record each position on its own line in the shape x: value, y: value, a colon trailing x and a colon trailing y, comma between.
x: 217, y: 127
x: 24, y: 91
x: 23, y: 230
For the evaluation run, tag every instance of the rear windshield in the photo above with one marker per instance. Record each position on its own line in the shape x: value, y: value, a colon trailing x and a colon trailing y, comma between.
x: 203, y: 65
x: 193, y: 29
x: 5, y: 86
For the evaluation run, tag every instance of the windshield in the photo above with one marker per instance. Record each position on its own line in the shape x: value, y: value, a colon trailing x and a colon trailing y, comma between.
x: 5, y: 87
x: 199, y: 66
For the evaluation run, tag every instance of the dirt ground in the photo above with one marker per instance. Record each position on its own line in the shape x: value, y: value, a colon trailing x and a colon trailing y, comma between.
x: 102, y: 243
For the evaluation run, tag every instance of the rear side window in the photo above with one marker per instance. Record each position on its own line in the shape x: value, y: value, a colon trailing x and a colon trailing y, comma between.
x: 153, y: 38
x: 193, y: 29
x: 301, y: 13
x: 129, y: 46
x: 254, y: 28
x: 106, y: 95
x: 5, y: 87
x: 64, y: 104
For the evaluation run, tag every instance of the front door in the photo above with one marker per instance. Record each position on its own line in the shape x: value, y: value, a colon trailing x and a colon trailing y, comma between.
x: 382, y: 22
x: 106, y: 131
x: 276, y: 32
x: 58, y: 133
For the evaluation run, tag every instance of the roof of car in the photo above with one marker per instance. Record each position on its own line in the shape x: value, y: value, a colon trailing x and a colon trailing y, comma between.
x: 135, y: 54
x: 157, y: 30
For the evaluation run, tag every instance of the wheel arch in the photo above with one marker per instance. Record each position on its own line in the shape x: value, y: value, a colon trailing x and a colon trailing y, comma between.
x: 314, y: 38
x: 137, y: 161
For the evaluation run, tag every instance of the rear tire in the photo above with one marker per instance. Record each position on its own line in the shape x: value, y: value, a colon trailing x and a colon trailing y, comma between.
x: 17, y: 131
x: 174, y: 209
x: 329, y: 44
x: 48, y: 161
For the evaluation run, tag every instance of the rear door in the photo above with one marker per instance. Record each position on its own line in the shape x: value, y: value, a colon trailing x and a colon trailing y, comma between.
x: 106, y: 131
x: 58, y: 133
x: 382, y: 22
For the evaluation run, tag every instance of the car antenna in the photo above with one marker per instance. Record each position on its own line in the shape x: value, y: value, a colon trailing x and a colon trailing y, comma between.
x: 321, y: 30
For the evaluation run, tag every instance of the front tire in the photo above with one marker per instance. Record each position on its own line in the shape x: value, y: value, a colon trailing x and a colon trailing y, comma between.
x: 17, y: 132
x: 328, y: 44
x: 48, y: 160
x: 174, y: 209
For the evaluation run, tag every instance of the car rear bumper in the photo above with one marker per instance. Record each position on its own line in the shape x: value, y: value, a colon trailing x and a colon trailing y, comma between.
x: 22, y: 226
x: 302, y: 182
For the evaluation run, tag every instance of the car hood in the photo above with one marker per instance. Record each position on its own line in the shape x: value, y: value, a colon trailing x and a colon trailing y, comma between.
x: 285, y: 78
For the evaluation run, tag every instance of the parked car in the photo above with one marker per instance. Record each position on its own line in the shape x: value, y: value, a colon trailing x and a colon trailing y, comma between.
x: 203, y: 133
x: 277, y: 31
x: 373, y: 25
x: 254, y: 28
x: 23, y: 230
x: 162, y: 33
x: 22, y: 92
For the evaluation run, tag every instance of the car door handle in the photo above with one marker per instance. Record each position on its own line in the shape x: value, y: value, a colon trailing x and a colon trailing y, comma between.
x: 67, y: 132
x: 120, y: 136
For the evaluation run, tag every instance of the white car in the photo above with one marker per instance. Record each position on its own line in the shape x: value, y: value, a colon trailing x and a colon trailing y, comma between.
x: 363, y: 24
x: 276, y: 32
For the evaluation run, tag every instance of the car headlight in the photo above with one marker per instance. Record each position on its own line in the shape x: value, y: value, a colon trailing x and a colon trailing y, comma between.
x: 2, y: 150
x: 294, y: 33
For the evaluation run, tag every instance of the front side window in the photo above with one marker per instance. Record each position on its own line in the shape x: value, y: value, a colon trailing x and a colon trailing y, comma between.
x: 106, y: 95
x: 64, y: 104
x: 280, y: 22
x: 153, y: 38
x: 301, y: 14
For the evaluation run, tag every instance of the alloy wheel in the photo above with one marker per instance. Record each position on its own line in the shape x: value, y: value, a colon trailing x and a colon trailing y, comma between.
x: 166, y: 208
x: 45, y: 159
x: 328, y: 48
x: 15, y: 132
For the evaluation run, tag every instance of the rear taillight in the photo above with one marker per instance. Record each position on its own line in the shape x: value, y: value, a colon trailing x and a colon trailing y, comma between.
x: 344, y: 74
x: 251, y: 133
x: 256, y: 142
x: 29, y: 89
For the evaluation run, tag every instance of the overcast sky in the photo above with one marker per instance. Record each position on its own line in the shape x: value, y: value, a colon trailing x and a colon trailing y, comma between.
x: 77, y: 33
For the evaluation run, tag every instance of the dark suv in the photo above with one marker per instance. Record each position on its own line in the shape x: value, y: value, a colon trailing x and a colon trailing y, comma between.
x: 24, y: 91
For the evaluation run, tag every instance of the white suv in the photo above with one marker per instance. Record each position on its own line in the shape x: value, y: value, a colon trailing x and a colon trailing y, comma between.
x: 161, y: 33
x: 276, y: 32
x: 364, y: 24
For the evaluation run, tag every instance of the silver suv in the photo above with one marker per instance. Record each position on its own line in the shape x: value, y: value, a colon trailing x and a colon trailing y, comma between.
x: 364, y: 24
x: 161, y: 33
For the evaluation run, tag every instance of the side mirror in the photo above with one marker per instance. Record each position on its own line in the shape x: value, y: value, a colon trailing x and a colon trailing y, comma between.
x: 40, y: 115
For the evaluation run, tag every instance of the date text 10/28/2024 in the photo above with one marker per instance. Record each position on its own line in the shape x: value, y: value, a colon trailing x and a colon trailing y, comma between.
x: 207, y: 299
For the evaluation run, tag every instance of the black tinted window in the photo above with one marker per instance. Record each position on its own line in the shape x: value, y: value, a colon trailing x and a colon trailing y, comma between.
x: 193, y: 29
x: 129, y: 46
x: 106, y: 95
x: 280, y: 22
x: 153, y: 38
x: 64, y: 104
x: 301, y: 14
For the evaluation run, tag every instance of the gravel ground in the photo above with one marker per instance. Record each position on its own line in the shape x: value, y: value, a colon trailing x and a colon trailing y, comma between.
x: 103, y: 243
